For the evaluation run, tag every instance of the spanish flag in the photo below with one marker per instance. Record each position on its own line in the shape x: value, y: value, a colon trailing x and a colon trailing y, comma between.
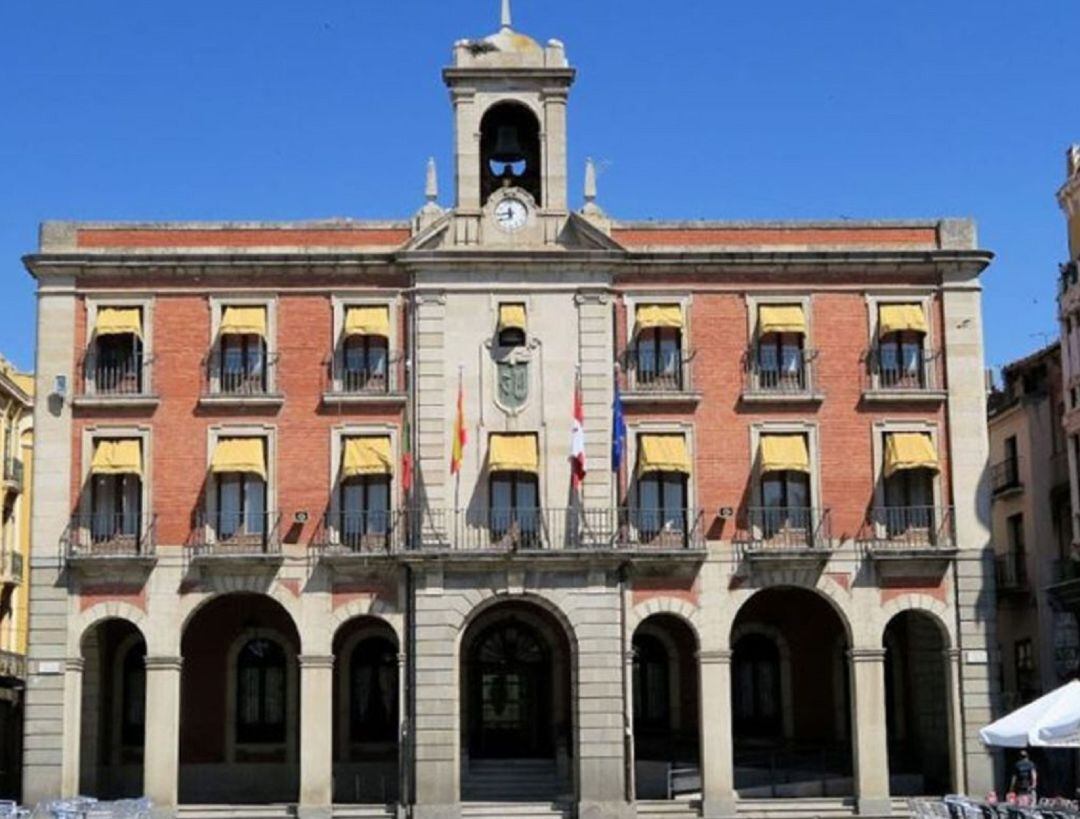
x: 460, y: 435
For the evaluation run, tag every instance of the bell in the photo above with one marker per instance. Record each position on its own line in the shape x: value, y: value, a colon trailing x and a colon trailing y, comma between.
x: 507, y: 148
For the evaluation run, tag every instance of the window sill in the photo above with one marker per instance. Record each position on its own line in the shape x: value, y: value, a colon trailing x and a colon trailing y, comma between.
x: 1007, y: 491
x: 271, y: 400
x: 885, y: 552
x: 758, y: 397
x: 759, y: 552
x: 880, y: 396
x: 367, y: 399
x: 638, y: 398
x: 122, y: 401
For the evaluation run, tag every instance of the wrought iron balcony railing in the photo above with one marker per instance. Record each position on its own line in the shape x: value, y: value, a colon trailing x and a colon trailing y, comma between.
x: 11, y: 567
x: 14, y: 474
x: 784, y: 529
x: 554, y: 529
x: 1070, y: 274
x: 908, y: 528
x: 110, y: 536
x: 1067, y: 570
x: 1005, y: 475
x: 1012, y: 574
x: 373, y: 377
x: 362, y: 533
x: 236, y: 534
x: 251, y: 379
x: 127, y: 377
x: 888, y: 370
x: 12, y: 665
x: 647, y: 374
x: 794, y: 377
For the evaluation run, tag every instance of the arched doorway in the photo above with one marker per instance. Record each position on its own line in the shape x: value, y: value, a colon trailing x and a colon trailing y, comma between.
x: 515, y: 705
x: 791, y: 700
x: 239, y: 703
x: 366, y: 713
x: 113, y: 711
x: 917, y: 706
x: 665, y: 702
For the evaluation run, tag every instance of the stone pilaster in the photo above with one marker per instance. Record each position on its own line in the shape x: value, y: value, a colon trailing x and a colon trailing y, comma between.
x: 70, y: 752
x: 161, y: 767
x: 717, y: 754
x: 870, y: 730
x: 596, y: 353
x: 433, y: 409
x: 316, y: 736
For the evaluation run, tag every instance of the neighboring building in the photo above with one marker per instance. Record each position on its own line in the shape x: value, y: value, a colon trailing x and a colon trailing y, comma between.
x: 272, y: 588
x: 1032, y: 528
x: 16, y: 446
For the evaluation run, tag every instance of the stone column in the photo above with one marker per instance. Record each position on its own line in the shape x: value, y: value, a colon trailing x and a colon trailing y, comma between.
x: 70, y: 756
x: 717, y: 755
x: 161, y: 765
x: 869, y: 729
x: 956, y: 723
x: 316, y: 736
x: 628, y: 725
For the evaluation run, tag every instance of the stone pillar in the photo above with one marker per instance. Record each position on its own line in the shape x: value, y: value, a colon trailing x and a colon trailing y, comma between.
x: 628, y: 725
x: 869, y: 728
x: 70, y: 756
x: 161, y: 766
x: 956, y: 723
x: 316, y: 736
x: 717, y: 755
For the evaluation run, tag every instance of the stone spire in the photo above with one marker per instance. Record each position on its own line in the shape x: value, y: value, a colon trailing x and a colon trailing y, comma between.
x: 431, y: 188
x: 507, y: 18
x: 430, y: 212
x: 590, y: 182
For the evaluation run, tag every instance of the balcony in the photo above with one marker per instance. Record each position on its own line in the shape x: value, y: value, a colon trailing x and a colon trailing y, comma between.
x: 1065, y: 590
x: 11, y: 568
x: 237, y: 538
x: 1070, y: 274
x: 908, y: 532
x: 1012, y: 575
x: 344, y: 536
x: 642, y: 532
x: 379, y: 385
x: 14, y: 475
x: 12, y: 665
x: 789, y: 382
x: 785, y: 534
x: 250, y: 385
x: 1005, y: 478
x: 100, y: 543
x: 891, y: 377
x: 111, y: 382
x: 649, y: 382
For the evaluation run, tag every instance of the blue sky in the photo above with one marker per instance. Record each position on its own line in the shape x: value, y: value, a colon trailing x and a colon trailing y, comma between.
x: 279, y: 109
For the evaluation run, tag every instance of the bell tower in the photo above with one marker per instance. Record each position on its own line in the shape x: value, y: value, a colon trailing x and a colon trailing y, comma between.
x: 509, y: 95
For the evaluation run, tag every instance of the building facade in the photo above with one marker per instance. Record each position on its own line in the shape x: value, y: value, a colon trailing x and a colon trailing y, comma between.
x: 320, y: 542
x: 16, y: 446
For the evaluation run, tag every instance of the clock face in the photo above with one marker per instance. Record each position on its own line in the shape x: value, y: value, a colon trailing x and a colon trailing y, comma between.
x: 511, y: 214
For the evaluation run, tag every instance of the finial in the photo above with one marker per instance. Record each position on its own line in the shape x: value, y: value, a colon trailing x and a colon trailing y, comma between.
x: 507, y: 21
x: 431, y: 189
x: 590, y: 181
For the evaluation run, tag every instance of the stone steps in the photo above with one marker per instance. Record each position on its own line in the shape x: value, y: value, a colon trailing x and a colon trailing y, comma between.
x: 673, y: 809
x: 796, y: 808
x: 531, y: 781
x: 236, y: 812
x: 517, y: 810
x: 364, y: 812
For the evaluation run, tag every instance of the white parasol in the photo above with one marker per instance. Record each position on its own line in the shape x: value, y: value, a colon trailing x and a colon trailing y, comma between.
x: 1052, y: 721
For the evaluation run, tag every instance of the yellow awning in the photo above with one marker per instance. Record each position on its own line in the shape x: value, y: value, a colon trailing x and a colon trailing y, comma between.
x: 909, y: 450
x: 115, y: 321
x: 513, y: 453
x: 369, y: 455
x: 239, y: 455
x: 781, y: 318
x: 243, y: 321
x: 784, y: 453
x: 663, y: 453
x: 119, y: 457
x: 512, y: 317
x: 367, y: 321
x: 652, y: 316
x: 896, y: 318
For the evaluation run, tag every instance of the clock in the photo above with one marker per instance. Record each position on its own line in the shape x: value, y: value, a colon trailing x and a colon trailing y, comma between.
x: 511, y: 214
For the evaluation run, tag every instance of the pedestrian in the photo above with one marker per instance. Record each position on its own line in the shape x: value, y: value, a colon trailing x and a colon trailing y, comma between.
x: 1025, y: 779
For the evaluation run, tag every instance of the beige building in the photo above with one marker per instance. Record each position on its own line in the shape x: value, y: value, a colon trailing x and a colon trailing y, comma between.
x: 259, y: 582
x: 16, y: 447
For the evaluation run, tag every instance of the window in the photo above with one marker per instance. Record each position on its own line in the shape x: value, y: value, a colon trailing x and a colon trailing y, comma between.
x: 1024, y: 665
x: 780, y: 362
x: 513, y: 323
x: 365, y: 360
x: 117, y: 364
x: 652, y: 685
x: 243, y: 364
x: 1015, y: 528
x: 1010, y: 474
x: 373, y: 691
x: 756, y: 683
x: 365, y: 510
x: 659, y: 358
x: 515, y: 506
x: 785, y: 496
x: 661, y: 504
x: 901, y: 360
x: 261, y: 690
x: 909, y: 501
x: 115, y: 503
x: 241, y: 505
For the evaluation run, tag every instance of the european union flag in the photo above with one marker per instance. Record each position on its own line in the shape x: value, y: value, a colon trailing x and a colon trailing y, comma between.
x: 618, y: 432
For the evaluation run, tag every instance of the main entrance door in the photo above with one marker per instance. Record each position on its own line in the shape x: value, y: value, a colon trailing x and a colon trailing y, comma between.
x: 510, y: 692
